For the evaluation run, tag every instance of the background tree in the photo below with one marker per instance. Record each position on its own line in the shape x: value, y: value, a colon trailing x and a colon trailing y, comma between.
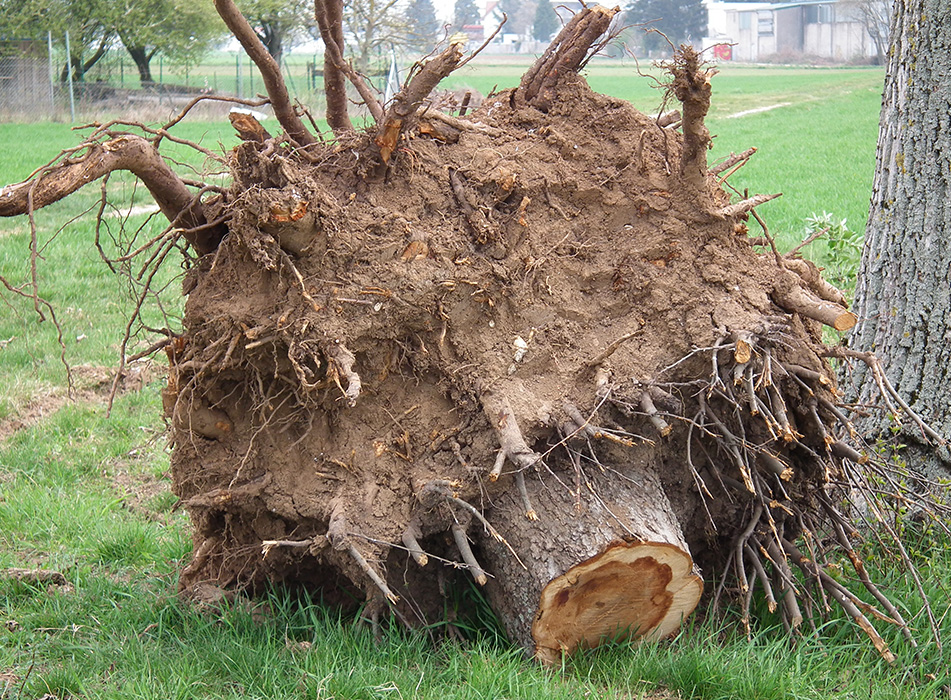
x: 903, y: 297
x: 546, y: 21
x: 682, y: 21
x: 465, y: 13
x: 423, y: 27
x: 89, y: 23
x: 180, y: 29
x: 279, y: 23
x: 520, y: 13
x: 875, y: 16
x: 373, y: 25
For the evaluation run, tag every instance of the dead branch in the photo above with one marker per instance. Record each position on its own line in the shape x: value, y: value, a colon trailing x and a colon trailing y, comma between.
x: 127, y: 152
x: 270, y: 72
x: 733, y: 159
x: 746, y: 205
x: 401, y: 114
x: 428, y: 112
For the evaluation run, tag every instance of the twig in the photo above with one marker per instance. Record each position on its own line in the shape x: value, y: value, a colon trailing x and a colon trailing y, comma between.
x: 733, y: 159
x: 746, y: 205
x: 612, y: 348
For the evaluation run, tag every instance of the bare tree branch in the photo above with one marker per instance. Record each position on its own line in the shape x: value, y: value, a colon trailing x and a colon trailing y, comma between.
x: 329, y: 15
x: 127, y: 152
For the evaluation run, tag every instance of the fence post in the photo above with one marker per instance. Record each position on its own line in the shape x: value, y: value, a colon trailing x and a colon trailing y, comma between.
x: 69, y: 79
x: 49, y: 54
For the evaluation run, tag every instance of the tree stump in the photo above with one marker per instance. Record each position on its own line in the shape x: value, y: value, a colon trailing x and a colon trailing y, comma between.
x: 614, y: 566
x: 532, y: 346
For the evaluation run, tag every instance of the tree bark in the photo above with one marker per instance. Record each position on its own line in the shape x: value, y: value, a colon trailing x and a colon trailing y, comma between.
x: 566, y: 54
x: 329, y: 15
x: 903, y: 297
x: 142, y: 59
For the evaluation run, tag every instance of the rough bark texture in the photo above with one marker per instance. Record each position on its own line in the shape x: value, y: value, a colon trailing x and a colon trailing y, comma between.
x: 142, y: 58
x: 903, y: 298
x: 565, y: 55
x: 618, y: 567
x: 329, y: 15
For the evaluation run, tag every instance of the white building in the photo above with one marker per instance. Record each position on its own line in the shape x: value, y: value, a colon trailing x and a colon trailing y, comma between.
x: 827, y: 29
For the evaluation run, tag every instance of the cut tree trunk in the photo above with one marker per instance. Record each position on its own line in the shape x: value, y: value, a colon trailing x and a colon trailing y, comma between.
x: 613, y: 567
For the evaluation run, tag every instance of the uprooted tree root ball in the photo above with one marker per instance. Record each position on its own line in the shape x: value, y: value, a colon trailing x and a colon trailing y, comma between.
x: 533, y: 346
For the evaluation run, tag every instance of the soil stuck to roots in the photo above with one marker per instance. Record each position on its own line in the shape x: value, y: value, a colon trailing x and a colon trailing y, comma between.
x: 530, y: 340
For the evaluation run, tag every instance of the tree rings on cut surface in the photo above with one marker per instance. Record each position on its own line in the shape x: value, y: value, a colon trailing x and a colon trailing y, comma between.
x: 631, y: 590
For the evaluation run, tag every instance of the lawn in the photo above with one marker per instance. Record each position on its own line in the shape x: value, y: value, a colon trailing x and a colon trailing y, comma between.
x: 86, y: 494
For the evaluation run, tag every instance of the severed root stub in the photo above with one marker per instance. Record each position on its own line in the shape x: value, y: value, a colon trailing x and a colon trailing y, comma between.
x: 640, y: 590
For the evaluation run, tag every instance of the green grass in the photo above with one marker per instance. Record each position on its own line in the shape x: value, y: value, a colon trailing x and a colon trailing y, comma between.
x: 87, y: 495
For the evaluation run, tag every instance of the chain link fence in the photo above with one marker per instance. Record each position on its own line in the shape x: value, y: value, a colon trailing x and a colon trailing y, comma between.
x: 35, y: 85
x: 26, y: 88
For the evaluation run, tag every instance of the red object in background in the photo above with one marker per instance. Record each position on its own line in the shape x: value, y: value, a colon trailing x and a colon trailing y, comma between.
x: 723, y: 52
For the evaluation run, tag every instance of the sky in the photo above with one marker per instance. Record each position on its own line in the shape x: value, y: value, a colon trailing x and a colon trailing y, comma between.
x: 444, y: 9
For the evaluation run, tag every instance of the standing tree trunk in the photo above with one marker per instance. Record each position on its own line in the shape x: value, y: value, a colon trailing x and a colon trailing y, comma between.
x: 142, y: 58
x: 903, y: 297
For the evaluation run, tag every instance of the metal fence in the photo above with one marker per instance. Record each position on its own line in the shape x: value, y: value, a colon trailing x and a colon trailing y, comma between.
x: 35, y: 85
x: 25, y: 84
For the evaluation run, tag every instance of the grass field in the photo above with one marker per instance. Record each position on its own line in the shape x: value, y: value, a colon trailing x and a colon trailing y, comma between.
x: 87, y: 495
